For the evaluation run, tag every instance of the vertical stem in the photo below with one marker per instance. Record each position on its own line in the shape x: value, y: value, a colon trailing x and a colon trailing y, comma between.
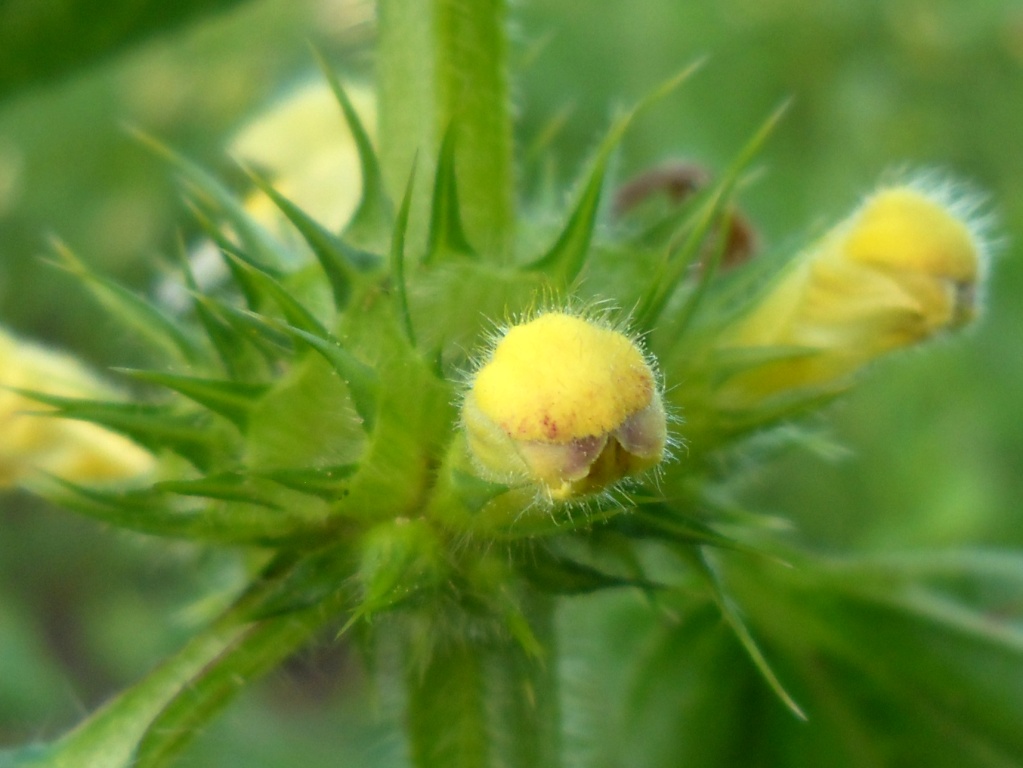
x: 528, y: 711
x: 484, y: 702
x: 447, y: 718
x: 444, y: 62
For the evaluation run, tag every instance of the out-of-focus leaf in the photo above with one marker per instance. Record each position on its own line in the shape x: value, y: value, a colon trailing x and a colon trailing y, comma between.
x: 43, y: 40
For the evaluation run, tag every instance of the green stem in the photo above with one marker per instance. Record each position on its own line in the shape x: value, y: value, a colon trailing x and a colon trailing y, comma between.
x: 151, y: 722
x: 483, y: 703
x: 108, y: 739
x: 528, y: 730
x: 447, y: 718
x: 443, y: 62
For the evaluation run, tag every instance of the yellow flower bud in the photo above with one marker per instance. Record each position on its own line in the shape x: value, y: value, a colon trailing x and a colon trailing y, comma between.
x: 565, y: 403
x: 73, y: 450
x: 902, y: 268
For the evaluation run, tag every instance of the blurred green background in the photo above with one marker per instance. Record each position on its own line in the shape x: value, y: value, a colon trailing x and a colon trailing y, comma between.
x: 933, y: 440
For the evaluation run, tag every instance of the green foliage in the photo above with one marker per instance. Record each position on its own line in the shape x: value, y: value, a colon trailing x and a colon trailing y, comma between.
x: 306, y: 409
x: 45, y: 41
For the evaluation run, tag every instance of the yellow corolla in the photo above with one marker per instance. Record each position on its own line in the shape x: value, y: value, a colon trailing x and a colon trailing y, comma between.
x: 902, y: 268
x: 302, y: 144
x: 73, y: 450
x: 566, y: 403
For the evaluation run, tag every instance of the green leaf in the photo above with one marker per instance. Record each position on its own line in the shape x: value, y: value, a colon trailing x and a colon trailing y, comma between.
x: 136, y: 313
x: 360, y: 378
x: 329, y: 483
x: 268, y: 287
x: 251, y: 327
x: 341, y: 263
x: 372, y: 219
x: 155, y: 427
x: 236, y: 358
x: 225, y: 246
x: 215, y: 200
x: 660, y: 520
x: 43, y: 41
x: 447, y: 236
x: 912, y: 638
x: 677, y: 263
x: 692, y: 697
x: 244, y: 520
x: 144, y: 511
x: 225, y: 486
x: 734, y: 618
x: 567, y: 256
x: 397, y: 261
x: 559, y: 575
x: 231, y: 399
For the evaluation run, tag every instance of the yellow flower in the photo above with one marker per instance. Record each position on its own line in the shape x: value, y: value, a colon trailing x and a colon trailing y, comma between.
x: 73, y: 450
x: 901, y: 269
x: 302, y: 144
x: 566, y: 403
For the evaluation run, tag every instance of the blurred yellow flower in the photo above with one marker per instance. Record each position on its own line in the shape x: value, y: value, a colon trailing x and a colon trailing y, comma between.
x: 303, y: 146
x: 565, y: 402
x: 73, y: 450
x: 901, y: 269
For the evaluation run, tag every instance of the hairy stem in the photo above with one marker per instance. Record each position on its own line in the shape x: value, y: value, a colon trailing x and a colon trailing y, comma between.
x: 443, y: 63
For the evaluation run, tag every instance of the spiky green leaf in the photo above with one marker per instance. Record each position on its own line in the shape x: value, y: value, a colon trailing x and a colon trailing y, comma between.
x: 231, y: 399
x: 145, y: 511
x: 243, y: 325
x: 343, y: 264
x: 447, y: 235
x: 225, y: 486
x: 267, y: 286
x: 566, y: 258
x: 678, y: 262
x: 559, y: 575
x: 214, y: 199
x: 241, y: 278
x: 156, y: 427
x: 360, y: 378
x: 237, y: 359
x: 329, y: 483
x: 732, y: 615
x: 372, y: 218
x: 135, y: 312
x: 397, y: 260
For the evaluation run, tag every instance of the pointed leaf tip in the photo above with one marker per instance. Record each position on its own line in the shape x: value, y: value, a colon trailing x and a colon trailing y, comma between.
x: 266, y: 285
x: 361, y: 379
x: 372, y: 217
x: 343, y: 264
x: 447, y: 234
x: 133, y: 311
x: 398, y: 260
x: 567, y: 256
x: 217, y: 202
x: 233, y: 400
